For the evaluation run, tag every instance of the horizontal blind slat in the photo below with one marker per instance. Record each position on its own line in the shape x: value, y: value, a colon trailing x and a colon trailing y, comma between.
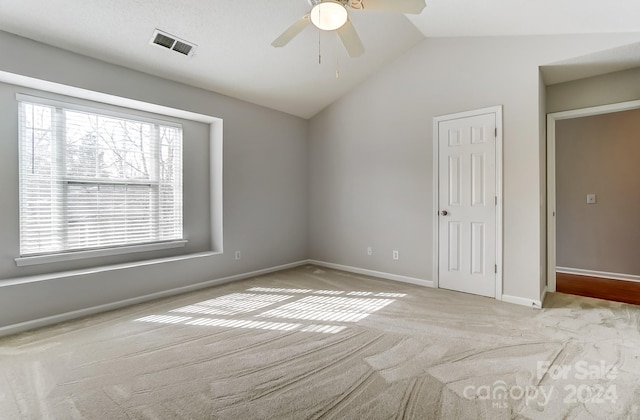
x: 88, y: 180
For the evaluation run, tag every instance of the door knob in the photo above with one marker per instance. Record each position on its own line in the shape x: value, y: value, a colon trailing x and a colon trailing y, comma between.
x: 444, y: 212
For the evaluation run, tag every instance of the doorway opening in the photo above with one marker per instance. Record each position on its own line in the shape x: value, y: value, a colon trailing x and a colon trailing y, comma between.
x: 579, y: 258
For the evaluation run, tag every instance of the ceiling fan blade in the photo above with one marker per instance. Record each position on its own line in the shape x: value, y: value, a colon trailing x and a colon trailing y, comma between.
x: 350, y: 39
x: 292, y: 31
x: 399, y: 6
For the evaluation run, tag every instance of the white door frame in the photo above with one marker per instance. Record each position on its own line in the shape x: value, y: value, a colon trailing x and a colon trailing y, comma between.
x: 551, y: 173
x: 497, y: 110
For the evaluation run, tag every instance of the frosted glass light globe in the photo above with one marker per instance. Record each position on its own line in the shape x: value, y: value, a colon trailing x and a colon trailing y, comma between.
x: 328, y: 15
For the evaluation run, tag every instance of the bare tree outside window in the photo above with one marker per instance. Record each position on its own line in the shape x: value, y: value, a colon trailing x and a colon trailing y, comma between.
x: 90, y: 180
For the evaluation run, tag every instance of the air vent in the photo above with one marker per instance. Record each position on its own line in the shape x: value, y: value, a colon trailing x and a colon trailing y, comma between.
x: 182, y: 48
x: 170, y: 42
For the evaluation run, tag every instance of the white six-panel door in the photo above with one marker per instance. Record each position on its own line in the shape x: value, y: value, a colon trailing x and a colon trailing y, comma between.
x: 467, y: 202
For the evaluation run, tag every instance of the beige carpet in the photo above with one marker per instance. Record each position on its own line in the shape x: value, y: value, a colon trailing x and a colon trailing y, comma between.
x: 316, y: 343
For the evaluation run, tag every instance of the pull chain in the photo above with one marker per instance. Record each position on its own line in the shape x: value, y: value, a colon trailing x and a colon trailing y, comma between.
x: 319, y: 36
x: 337, y: 58
x: 319, y: 50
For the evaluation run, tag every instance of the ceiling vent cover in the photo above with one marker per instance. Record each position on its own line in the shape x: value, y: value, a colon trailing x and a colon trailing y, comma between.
x: 173, y: 43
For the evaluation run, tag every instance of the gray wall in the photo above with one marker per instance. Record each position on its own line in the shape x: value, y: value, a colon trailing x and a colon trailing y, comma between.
x: 265, y: 186
x: 358, y: 174
x: 609, y: 88
x: 599, y: 154
x: 371, y: 153
x: 593, y: 91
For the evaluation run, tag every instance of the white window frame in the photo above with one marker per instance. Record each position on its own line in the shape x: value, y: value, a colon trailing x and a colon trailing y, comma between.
x: 216, y: 130
x: 58, y: 108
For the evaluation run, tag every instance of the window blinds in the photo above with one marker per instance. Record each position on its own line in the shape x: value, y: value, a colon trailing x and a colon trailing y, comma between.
x: 94, y: 179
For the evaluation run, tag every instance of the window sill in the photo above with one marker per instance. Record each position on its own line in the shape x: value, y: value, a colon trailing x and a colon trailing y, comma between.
x: 77, y: 255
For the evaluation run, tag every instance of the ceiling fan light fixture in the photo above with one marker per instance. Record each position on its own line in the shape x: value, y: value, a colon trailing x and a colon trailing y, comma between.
x: 329, y: 15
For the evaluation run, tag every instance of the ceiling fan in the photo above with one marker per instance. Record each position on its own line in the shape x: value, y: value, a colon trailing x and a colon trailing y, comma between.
x: 332, y: 15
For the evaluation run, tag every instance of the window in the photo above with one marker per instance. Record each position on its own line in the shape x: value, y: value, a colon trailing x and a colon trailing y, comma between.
x: 93, y: 179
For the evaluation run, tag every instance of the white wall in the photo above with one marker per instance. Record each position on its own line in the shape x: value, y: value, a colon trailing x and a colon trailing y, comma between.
x: 542, y: 132
x: 371, y: 153
x: 265, y: 187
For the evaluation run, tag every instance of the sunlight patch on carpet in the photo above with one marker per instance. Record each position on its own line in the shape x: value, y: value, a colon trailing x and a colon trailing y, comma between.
x: 321, y: 308
x: 314, y: 305
x: 233, y: 304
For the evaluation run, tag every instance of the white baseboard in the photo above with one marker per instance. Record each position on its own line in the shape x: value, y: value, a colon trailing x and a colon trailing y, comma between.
x: 602, y: 274
x: 531, y: 303
x: 372, y: 273
x: 54, y: 319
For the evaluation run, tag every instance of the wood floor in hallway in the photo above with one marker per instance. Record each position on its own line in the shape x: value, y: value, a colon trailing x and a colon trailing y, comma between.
x: 597, y: 287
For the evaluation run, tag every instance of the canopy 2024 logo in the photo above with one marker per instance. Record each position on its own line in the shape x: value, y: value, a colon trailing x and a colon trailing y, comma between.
x: 594, y: 387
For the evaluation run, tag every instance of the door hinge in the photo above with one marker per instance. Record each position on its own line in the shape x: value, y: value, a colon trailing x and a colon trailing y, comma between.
x: 495, y: 132
x: 495, y: 268
x: 496, y: 197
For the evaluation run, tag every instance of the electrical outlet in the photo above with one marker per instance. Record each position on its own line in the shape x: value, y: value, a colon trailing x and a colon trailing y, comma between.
x: 396, y: 255
x: 238, y: 255
x: 369, y: 251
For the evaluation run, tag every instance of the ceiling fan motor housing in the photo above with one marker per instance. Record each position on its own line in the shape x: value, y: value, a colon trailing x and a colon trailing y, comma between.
x: 354, y: 4
x: 332, y: 15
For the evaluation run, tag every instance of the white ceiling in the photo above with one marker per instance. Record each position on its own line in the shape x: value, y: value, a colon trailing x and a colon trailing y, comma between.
x: 527, y: 17
x: 234, y: 56
x: 602, y: 62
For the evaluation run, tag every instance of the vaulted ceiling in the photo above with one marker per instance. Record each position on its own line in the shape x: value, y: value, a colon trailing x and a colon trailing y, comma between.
x: 234, y: 54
